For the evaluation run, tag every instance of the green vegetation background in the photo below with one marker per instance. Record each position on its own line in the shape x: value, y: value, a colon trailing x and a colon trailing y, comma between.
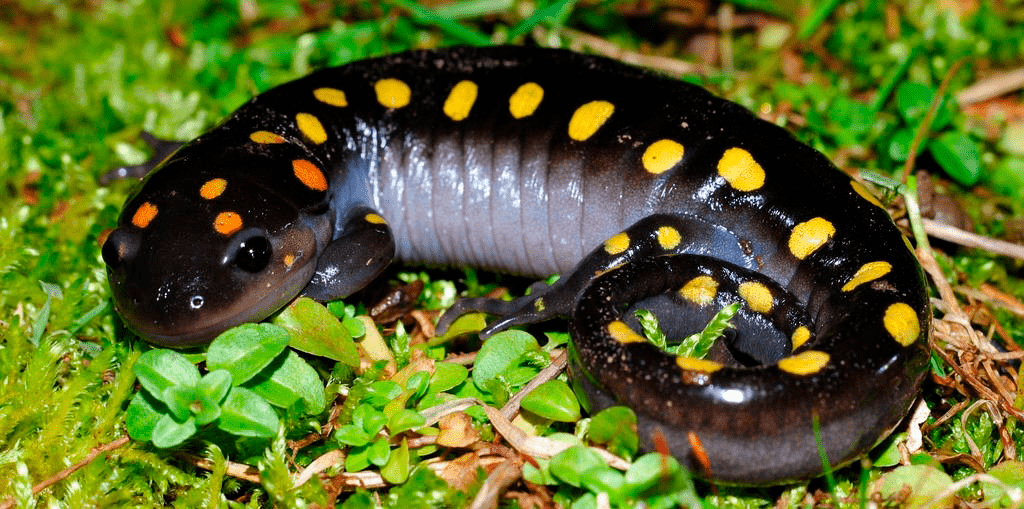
x: 79, y: 81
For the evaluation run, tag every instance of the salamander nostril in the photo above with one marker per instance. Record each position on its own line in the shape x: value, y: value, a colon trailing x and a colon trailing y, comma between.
x: 119, y: 247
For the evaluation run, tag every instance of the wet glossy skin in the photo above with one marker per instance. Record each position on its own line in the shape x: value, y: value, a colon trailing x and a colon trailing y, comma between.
x: 535, y: 162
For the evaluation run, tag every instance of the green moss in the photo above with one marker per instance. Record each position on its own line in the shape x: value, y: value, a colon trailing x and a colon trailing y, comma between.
x: 79, y: 82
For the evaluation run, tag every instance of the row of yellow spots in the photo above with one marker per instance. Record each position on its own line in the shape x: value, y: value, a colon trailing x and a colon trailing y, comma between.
x: 668, y: 238
x: 737, y: 166
x: 804, y: 239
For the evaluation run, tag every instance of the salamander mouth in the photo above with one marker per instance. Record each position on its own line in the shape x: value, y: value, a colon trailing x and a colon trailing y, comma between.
x: 254, y: 309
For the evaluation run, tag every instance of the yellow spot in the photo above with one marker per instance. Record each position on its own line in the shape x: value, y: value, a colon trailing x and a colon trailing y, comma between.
x: 460, y: 100
x: 868, y: 272
x: 289, y: 260
x: 266, y: 137
x: 702, y: 365
x: 758, y: 296
x: 331, y: 96
x: 804, y: 363
x: 809, y: 235
x: 901, y: 322
x: 525, y: 100
x: 227, y: 223
x: 213, y: 188
x: 309, y: 175
x: 700, y: 290
x: 144, y: 215
x: 616, y: 243
x: 800, y: 336
x: 311, y: 127
x: 864, y: 193
x: 392, y: 93
x: 589, y: 118
x: 621, y: 332
x: 668, y: 237
x: 662, y: 155
x: 374, y: 218
x: 740, y: 170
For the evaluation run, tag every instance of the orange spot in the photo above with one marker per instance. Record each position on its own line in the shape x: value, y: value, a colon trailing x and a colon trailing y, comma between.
x: 309, y: 175
x: 699, y: 452
x: 227, y: 223
x: 213, y: 188
x: 266, y: 137
x: 145, y: 213
x: 289, y: 260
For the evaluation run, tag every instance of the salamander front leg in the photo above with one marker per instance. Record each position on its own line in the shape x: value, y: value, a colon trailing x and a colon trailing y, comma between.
x: 354, y: 258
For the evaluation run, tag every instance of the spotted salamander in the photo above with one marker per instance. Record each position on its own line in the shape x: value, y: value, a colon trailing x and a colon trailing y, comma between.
x: 643, y: 191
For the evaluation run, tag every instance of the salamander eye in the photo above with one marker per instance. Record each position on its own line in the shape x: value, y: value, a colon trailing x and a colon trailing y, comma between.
x: 253, y: 254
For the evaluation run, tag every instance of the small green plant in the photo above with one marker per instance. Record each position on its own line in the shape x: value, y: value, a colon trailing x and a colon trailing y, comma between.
x: 695, y: 345
x: 251, y: 370
x: 956, y: 153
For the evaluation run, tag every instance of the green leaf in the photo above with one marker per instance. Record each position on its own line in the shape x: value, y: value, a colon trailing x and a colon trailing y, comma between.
x: 403, y: 420
x: 615, y: 428
x: 604, y: 479
x: 1008, y: 178
x: 245, y: 350
x: 379, y: 452
x: 351, y: 434
x: 168, y: 433
x: 215, y: 385
x: 649, y: 471
x: 652, y: 330
x: 52, y: 291
x: 922, y: 483
x: 465, y: 324
x: 356, y: 328
x: 912, y: 101
x: 698, y: 345
x: 851, y: 115
x: 396, y: 471
x: 357, y: 458
x: 899, y: 144
x: 315, y: 330
x: 958, y: 155
x: 1011, y: 473
x: 447, y: 376
x: 142, y: 415
x: 887, y: 453
x: 553, y: 400
x: 159, y: 369
x: 417, y: 384
x: 540, y: 475
x: 381, y: 392
x: 247, y: 415
x: 289, y: 380
x: 179, y: 401
x: 570, y: 464
x: 369, y: 419
x: 500, y: 352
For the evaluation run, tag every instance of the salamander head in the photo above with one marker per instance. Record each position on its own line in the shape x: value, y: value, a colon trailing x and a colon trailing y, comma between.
x: 199, y: 250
